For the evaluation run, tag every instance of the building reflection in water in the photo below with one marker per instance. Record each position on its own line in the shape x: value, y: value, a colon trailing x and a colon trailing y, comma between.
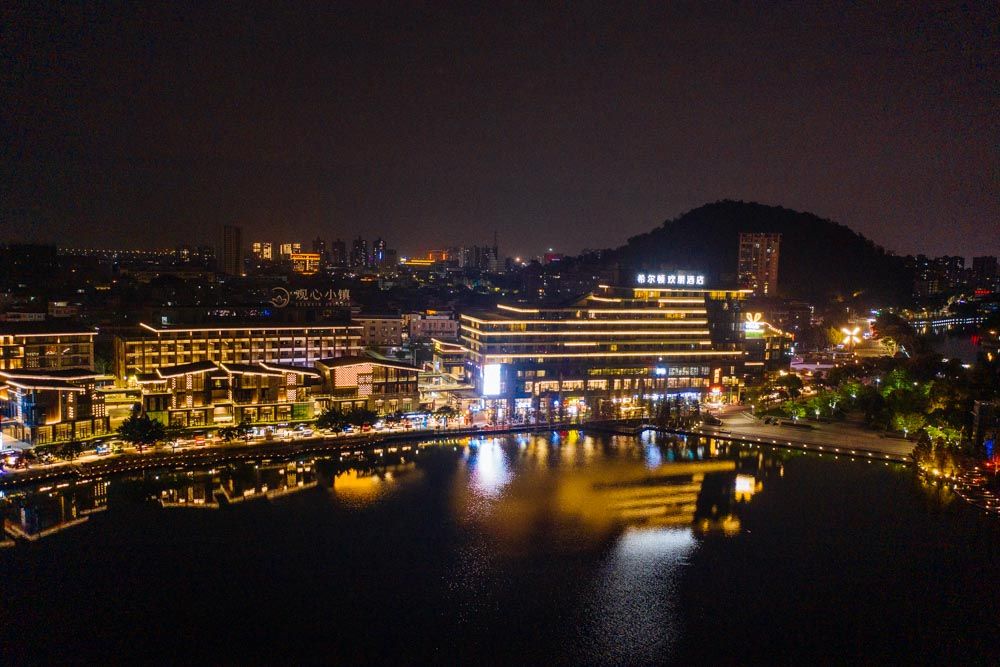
x: 521, y: 489
x: 52, y: 508
x: 568, y: 488
x: 236, y: 484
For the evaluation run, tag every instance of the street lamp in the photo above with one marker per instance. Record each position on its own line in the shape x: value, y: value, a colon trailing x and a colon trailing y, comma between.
x: 851, y: 336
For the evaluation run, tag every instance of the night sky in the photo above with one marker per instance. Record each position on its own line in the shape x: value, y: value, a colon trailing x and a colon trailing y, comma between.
x: 570, y: 126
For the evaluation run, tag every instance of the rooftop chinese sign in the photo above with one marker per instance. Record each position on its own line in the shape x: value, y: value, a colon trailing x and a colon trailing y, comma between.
x: 282, y: 297
x: 670, y: 279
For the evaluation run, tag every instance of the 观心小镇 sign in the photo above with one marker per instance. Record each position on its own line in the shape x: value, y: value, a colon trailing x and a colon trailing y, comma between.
x: 671, y: 279
x: 281, y: 297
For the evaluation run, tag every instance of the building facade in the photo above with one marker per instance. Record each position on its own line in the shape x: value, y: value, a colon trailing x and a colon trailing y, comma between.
x: 381, y: 330
x: 44, y: 346
x: 306, y: 263
x: 148, y: 347
x: 369, y: 381
x: 758, y: 262
x: 613, y: 352
x: 46, y: 406
x: 431, y: 324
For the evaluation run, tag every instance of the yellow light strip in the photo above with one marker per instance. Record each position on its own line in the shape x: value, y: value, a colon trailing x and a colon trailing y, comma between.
x: 651, y: 320
x: 517, y: 310
x: 689, y: 353
x: 594, y: 297
x: 250, y: 328
x: 599, y: 311
x: 634, y: 342
x: 13, y: 373
x: 25, y: 386
x: 626, y: 332
x: 445, y: 343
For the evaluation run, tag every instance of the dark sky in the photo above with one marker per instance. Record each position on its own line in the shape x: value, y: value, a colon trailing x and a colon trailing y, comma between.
x: 571, y: 125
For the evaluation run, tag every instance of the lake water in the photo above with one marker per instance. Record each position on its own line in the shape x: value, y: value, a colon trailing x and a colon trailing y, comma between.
x: 527, y: 549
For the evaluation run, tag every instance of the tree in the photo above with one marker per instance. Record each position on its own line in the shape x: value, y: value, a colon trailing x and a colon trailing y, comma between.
x: 334, y: 419
x: 140, y: 430
x: 794, y: 409
x: 944, y: 435
x: 239, y: 431
x: 68, y: 450
x: 331, y: 419
x: 792, y: 384
x: 908, y: 422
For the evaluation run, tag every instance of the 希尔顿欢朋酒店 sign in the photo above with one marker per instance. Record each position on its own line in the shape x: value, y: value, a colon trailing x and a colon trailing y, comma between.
x: 671, y: 279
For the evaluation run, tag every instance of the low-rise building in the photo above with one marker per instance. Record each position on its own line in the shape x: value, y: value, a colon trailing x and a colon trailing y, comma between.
x: 45, y: 345
x: 381, y: 330
x: 43, y: 406
x: 431, y: 324
x: 149, y: 347
x: 448, y: 357
x: 370, y: 381
x: 207, y: 394
x: 768, y: 348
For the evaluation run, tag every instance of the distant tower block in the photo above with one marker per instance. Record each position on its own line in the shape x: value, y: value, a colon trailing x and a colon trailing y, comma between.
x: 232, y: 250
x: 758, y: 266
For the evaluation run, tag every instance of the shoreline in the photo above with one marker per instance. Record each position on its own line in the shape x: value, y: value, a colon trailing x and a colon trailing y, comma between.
x: 224, y: 453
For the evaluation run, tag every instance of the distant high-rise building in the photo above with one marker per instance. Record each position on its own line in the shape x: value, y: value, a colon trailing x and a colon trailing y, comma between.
x: 262, y: 251
x: 378, y: 252
x: 319, y: 247
x: 338, y: 253
x: 288, y: 249
x: 305, y: 262
x: 232, y: 250
x: 758, y: 262
x: 359, y: 253
x: 985, y: 271
x: 936, y: 275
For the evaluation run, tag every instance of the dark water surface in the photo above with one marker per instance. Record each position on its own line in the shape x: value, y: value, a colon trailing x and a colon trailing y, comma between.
x: 562, y: 548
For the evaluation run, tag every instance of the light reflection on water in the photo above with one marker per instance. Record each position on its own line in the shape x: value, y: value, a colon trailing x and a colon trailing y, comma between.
x: 565, y: 546
x: 636, y: 618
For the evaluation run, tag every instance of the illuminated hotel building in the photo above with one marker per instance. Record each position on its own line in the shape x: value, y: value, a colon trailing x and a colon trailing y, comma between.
x: 149, y: 348
x: 610, y: 352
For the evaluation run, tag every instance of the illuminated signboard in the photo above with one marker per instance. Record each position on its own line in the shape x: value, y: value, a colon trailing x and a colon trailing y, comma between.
x: 491, y: 379
x: 281, y: 297
x: 753, y: 327
x: 670, y: 279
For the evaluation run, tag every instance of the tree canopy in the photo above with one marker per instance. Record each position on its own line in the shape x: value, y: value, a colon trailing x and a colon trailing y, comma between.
x: 140, y: 430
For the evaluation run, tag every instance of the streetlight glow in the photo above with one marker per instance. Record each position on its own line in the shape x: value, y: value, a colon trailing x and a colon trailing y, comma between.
x: 851, y: 336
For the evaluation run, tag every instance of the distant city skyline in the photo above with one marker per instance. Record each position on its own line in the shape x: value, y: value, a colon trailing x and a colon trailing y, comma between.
x: 565, y: 127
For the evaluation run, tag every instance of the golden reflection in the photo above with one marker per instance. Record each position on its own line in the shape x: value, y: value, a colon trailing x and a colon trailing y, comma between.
x: 53, y: 509
x: 559, y: 489
x: 364, y: 487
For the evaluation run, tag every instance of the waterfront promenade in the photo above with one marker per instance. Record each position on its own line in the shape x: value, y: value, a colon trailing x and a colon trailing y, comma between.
x: 840, y: 435
x: 837, y: 439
